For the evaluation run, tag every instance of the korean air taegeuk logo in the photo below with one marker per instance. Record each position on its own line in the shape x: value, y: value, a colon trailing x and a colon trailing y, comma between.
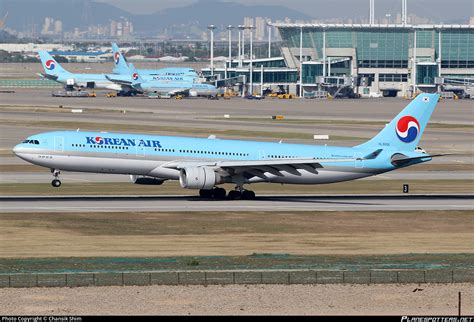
x: 50, y: 64
x: 407, y: 129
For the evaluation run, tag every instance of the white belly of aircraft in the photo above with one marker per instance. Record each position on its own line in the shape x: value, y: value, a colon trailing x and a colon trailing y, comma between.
x: 140, y: 165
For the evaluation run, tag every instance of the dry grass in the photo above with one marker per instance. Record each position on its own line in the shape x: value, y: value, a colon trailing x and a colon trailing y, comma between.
x: 234, y: 234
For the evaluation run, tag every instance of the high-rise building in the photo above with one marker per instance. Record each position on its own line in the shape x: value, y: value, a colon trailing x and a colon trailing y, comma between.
x: 113, y: 28
x: 48, y: 23
x: 58, y: 27
x: 260, y: 28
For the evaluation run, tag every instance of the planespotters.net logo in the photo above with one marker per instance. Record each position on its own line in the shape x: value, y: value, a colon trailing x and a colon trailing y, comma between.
x: 437, y: 319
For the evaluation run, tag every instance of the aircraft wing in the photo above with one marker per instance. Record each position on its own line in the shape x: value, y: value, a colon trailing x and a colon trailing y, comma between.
x: 258, y: 168
x: 51, y: 77
x: 179, y: 90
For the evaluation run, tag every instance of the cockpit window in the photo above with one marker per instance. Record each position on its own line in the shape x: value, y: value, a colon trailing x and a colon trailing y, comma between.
x: 31, y: 142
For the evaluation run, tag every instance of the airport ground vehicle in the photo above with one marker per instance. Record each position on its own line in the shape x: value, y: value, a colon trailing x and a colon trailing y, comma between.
x: 72, y: 94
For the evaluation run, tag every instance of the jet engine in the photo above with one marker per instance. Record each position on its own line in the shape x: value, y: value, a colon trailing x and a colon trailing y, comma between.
x: 146, y: 180
x: 198, y: 178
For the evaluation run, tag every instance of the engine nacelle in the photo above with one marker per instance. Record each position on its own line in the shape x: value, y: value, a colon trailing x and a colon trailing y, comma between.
x: 198, y: 178
x: 146, y: 180
x: 193, y: 93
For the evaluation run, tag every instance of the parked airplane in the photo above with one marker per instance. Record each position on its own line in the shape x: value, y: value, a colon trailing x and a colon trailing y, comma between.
x: 172, y: 74
x: 203, y: 164
x: 136, y: 82
x: 54, y: 71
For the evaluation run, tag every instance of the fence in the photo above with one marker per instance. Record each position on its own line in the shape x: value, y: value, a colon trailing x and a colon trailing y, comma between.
x: 236, y: 277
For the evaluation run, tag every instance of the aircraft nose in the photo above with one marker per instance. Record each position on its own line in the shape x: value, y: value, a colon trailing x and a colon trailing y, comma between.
x: 16, y: 149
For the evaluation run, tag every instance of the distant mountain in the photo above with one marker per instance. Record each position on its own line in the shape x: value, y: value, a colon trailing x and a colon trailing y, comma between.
x: 24, y: 14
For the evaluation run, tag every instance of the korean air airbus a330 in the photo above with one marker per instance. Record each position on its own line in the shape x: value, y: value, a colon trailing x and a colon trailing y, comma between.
x: 203, y: 164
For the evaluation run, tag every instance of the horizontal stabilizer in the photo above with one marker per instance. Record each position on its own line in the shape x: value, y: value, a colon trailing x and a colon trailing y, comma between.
x: 399, y: 159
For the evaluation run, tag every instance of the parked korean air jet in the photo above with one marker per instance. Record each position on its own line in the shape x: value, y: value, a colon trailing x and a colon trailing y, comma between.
x: 54, y: 71
x: 136, y: 82
x: 203, y: 164
x: 170, y: 74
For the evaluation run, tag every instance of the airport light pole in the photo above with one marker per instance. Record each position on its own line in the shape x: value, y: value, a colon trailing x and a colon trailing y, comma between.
x: 251, y: 58
x: 229, y: 29
x: 241, y: 29
x: 211, y: 28
x: 301, y: 63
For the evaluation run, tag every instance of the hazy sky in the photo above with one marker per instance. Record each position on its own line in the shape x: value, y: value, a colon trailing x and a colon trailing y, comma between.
x: 440, y: 9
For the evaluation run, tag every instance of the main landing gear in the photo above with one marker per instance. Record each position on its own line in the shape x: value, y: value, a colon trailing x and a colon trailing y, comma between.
x: 220, y: 193
x: 56, y: 182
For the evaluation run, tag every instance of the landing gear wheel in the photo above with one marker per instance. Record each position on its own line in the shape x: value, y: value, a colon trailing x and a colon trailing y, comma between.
x: 248, y: 195
x: 218, y: 193
x: 205, y: 193
x: 56, y: 183
x: 234, y: 194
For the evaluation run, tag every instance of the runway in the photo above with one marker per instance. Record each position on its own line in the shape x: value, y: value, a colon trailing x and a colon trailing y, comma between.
x: 395, y: 202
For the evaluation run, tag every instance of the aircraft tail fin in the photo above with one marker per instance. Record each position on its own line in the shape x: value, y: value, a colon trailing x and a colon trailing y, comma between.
x: 404, y: 132
x: 50, y: 65
x: 136, y: 78
x: 120, y: 63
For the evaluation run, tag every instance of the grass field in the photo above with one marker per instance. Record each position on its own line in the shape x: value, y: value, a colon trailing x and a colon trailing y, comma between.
x: 162, y: 234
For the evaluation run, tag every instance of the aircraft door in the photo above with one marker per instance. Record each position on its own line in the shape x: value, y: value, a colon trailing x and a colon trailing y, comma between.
x: 261, y: 154
x: 58, y: 144
x: 90, y: 85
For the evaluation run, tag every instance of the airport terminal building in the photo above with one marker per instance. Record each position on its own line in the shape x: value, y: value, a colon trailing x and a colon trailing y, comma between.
x: 393, y: 60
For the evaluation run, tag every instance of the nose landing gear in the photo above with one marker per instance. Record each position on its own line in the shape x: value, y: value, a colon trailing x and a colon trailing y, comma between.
x: 56, y: 182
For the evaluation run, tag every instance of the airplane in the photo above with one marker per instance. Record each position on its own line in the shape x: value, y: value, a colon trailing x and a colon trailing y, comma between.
x: 178, y: 74
x: 54, y: 71
x: 205, y: 163
x: 136, y: 82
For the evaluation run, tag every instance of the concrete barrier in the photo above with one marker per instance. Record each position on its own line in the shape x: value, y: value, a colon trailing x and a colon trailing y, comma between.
x: 236, y: 277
